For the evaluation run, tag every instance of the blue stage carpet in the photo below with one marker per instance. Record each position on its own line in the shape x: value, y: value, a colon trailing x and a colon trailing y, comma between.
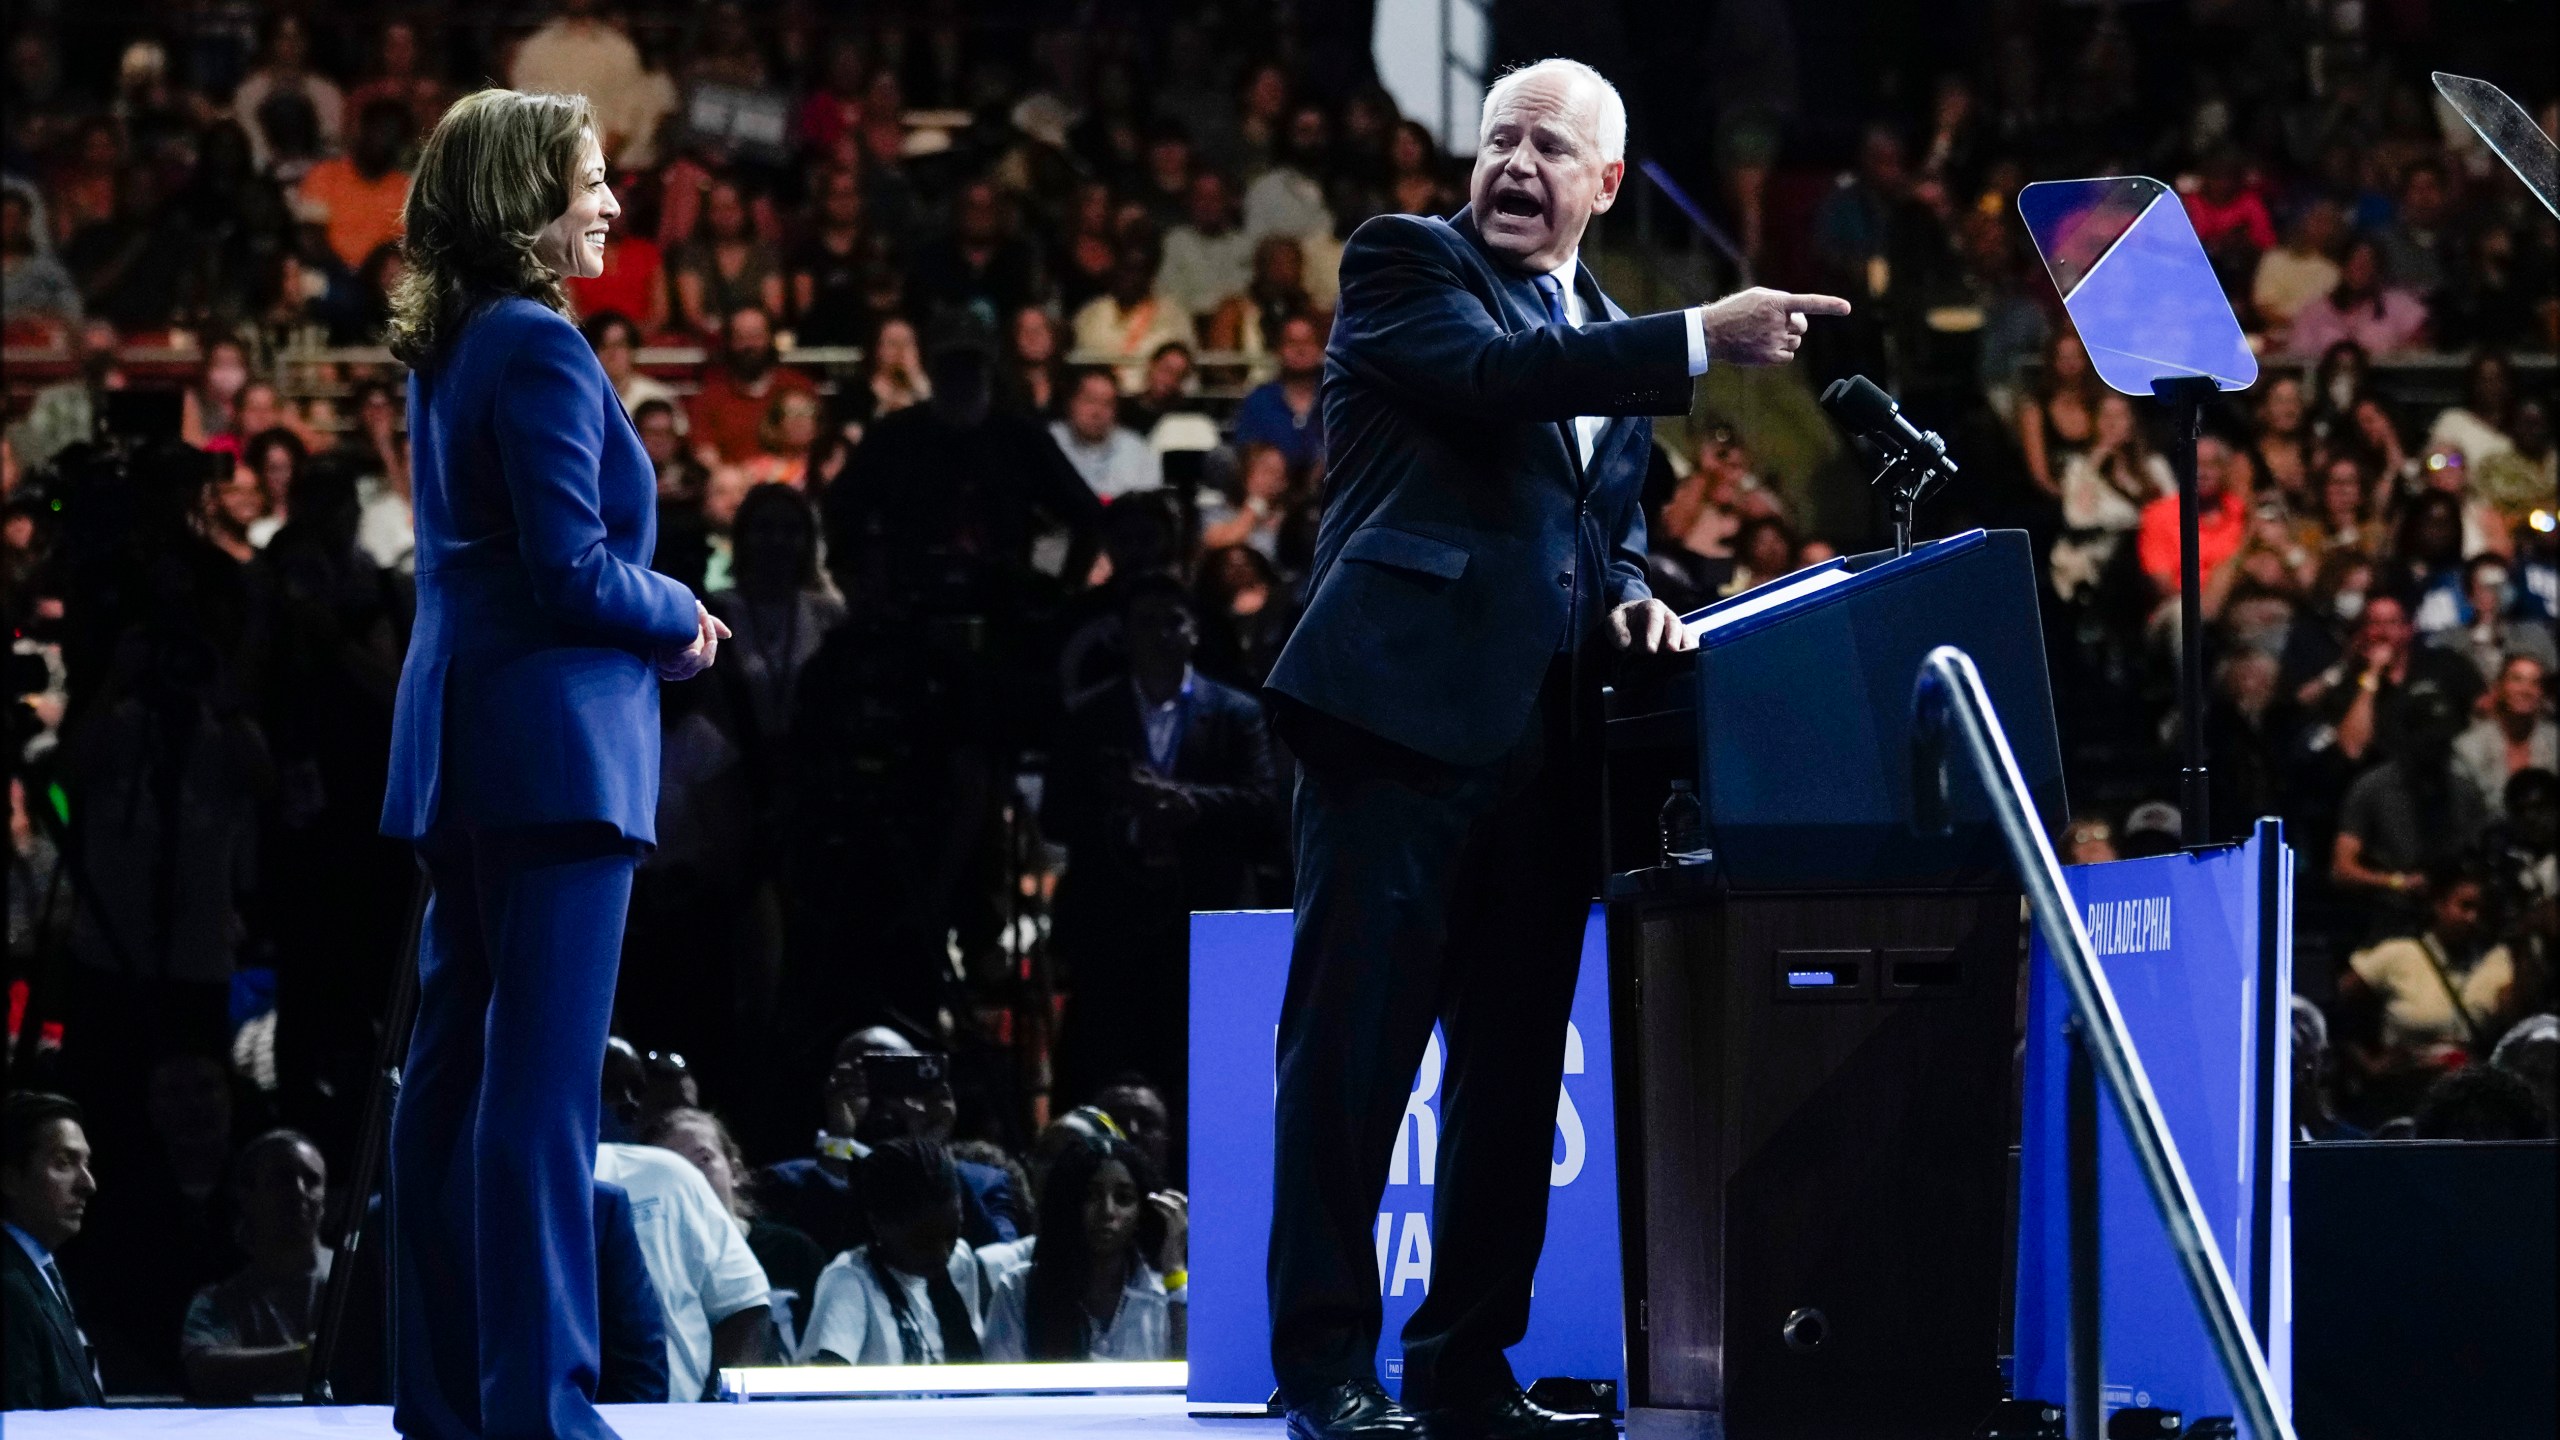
x: 1087, y: 1417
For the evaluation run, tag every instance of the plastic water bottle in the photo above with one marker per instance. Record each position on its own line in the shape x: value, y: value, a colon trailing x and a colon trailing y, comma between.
x: 1684, y: 827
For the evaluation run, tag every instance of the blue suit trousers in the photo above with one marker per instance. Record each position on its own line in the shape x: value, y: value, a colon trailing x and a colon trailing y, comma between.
x: 493, y: 1146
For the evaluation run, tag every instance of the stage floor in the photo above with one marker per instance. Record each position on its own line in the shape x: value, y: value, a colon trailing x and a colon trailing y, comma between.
x: 1083, y: 1417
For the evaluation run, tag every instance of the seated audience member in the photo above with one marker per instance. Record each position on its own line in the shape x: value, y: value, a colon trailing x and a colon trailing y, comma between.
x: 1124, y: 325
x: 2105, y: 489
x: 2415, y: 812
x: 2222, y: 517
x: 787, y: 442
x: 2481, y: 1102
x: 1168, y: 392
x: 2313, y: 1116
x: 2531, y: 1053
x: 2516, y: 735
x: 893, y: 377
x: 1283, y: 412
x: 1138, y: 1107
x: 1258, y: 520
x: 2421, y: 1004
x: 1208, y: 257
x: 631, y: 1361
x: 1031, y: 376
x: 2484, y: 628
x: 717, y: 1303
x: 1763, y: 550
x: 2368, y: 698
x: 1112, y: 458
x: 1089, y: 1291
x: 45, y: 1187
x: 1250, y: 323
x: 737, y: 389
x: 616, y: 341
x: 726, y: 267
x: 684, y: 486
x: 827, y: 282
x: 915, y: 1294
x: 2294, y: 274
x: 251, y: 1334
x: 34, y: 283
x: 2362, y: 308
x: 1246, y: 614
x: 791, y: 1260
x: 862, y: 1104
x: 357, y: 197
x: 1083, y: 1123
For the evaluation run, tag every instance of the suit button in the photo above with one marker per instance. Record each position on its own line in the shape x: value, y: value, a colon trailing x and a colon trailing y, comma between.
x: 1565, y: 579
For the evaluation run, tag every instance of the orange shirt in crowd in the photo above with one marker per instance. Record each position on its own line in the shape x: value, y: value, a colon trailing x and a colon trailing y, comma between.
x: 728, y: 416
x: 358, y: 214
x: 2219, y: 530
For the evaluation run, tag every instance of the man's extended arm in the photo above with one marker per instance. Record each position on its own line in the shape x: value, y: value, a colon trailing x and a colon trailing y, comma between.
x: 1408, y: 321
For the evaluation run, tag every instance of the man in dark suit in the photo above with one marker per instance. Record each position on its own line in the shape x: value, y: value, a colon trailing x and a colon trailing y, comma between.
x: 1483, y: 535
x: 1164, y: 794
x: 45, y: 1188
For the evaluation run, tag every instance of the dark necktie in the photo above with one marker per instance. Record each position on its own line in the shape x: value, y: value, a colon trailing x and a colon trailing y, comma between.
x: 1551, y: 290
x: 62, y: 1297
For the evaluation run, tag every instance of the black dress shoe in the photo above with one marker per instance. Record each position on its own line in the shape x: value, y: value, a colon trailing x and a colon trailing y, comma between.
x: 1356, y: 1411
x: 1513, y: 1416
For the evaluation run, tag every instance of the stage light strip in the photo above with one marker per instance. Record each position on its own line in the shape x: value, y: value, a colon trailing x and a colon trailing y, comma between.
x: 849, y: 1382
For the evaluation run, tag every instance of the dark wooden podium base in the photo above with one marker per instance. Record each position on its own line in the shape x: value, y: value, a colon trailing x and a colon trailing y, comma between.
x: 1813, y: 1117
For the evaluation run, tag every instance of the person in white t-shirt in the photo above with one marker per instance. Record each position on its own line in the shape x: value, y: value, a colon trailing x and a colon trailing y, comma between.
x: 715, y: 1294
x: 1091, y: 1290
x: 916, y: 1295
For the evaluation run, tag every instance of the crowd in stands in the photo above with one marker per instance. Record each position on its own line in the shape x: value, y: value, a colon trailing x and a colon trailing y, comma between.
x: 980, y: 356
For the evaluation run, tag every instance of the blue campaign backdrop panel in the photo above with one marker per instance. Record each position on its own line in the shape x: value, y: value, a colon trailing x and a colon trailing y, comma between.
x: 2180, y: 940
x: 1239, y: 965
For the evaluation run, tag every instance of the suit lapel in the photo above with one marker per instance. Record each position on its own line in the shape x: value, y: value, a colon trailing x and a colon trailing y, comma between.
x: 57, y: 1311
x: 1596, y: 301
x: 1518, y: 309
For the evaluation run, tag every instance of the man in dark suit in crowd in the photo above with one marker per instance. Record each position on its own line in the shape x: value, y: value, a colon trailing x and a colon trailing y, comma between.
x: 45, y: 1187
x: 1164, y: 794
x: 1482, y: 550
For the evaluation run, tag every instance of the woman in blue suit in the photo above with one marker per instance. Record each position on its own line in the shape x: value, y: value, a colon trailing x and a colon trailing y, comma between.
x: 524, y: 766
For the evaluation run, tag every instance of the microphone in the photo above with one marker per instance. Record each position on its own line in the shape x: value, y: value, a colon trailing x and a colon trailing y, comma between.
x: 1863, y: 409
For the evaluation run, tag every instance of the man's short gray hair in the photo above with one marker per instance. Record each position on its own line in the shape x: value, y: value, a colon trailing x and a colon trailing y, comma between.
x: 1612, y: 110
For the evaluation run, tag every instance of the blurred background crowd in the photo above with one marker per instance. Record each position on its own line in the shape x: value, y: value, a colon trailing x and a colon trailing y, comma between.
x: 978, y: 347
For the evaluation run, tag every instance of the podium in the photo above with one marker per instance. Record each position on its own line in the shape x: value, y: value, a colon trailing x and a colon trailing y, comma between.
x: 1813, y: 1068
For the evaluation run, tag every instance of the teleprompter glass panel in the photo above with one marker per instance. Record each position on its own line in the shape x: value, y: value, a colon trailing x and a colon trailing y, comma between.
x: 2499, y: 120
x: 2136, y: 282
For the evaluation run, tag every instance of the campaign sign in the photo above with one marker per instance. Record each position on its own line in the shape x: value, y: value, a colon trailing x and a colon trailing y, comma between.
x: 2189, y: 947
x: 1239, y: 965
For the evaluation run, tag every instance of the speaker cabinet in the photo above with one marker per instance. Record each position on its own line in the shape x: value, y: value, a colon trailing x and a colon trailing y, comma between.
x: 1813, y: 1119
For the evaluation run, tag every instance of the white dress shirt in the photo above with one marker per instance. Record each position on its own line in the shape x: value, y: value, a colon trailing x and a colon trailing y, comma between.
x: 1587, y: 428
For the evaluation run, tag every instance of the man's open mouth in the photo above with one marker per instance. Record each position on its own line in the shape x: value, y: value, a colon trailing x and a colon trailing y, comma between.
x: 1519, y: 203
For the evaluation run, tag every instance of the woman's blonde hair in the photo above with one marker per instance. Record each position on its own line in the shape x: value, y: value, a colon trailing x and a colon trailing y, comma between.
x: 495, y: 172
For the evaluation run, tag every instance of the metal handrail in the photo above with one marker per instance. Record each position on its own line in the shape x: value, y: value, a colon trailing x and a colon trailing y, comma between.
x: 1696, y: 214
x: 1948, y: 695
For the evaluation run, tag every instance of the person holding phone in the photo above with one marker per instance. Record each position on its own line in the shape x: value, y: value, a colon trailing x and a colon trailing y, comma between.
x: 524, y: 766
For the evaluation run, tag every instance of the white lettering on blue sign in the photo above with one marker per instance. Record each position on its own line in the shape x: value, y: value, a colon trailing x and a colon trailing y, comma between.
x: 2129, y: 927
